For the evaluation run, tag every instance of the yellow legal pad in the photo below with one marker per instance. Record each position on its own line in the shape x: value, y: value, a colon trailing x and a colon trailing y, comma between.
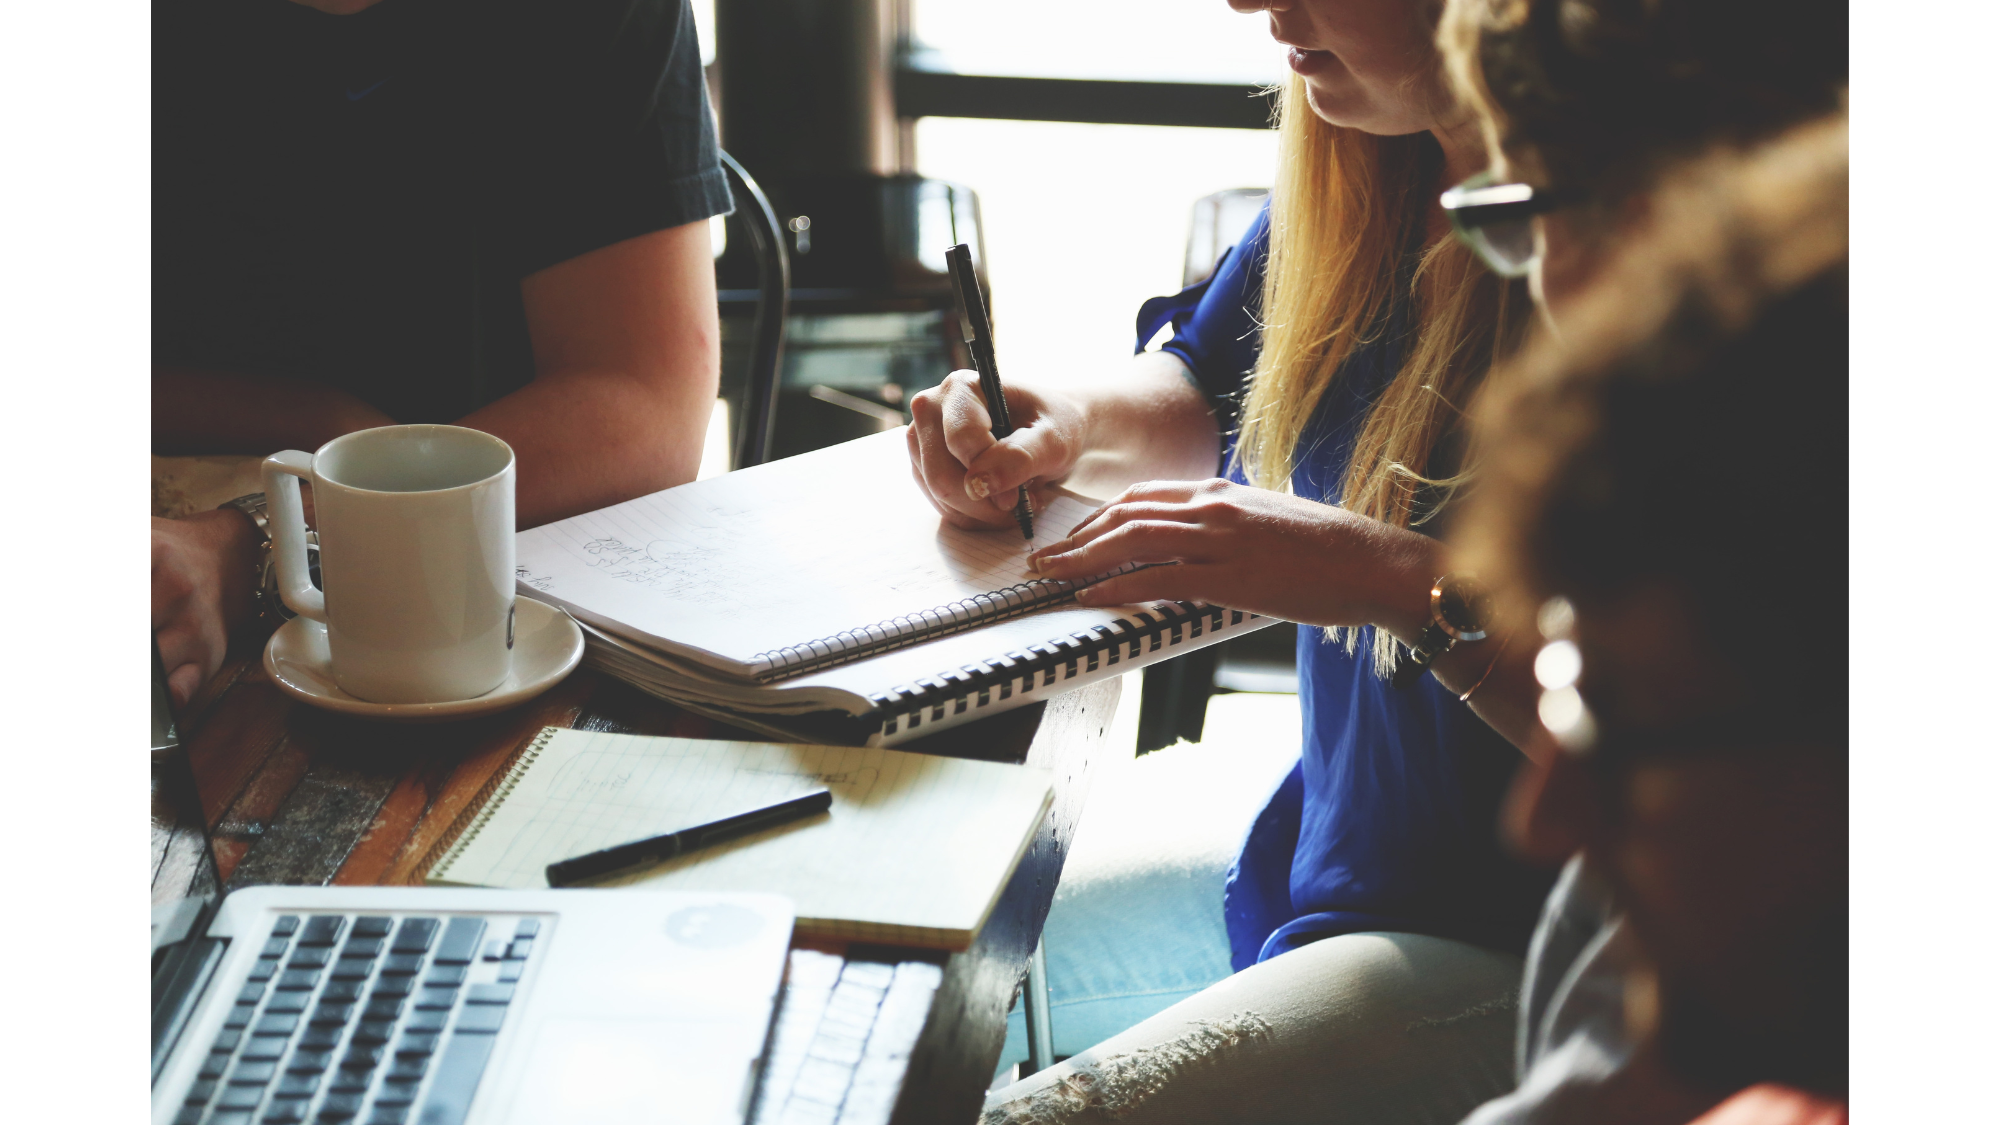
x: 915, y: 850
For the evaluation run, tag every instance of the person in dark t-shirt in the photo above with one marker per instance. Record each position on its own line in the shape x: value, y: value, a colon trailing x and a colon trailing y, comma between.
x: 491, y: 213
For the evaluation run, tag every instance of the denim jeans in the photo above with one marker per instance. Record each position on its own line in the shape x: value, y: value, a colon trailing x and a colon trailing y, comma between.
x: 1375, y: 1027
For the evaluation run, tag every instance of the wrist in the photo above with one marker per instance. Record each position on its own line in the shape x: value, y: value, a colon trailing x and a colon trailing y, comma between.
x: 1402, y: 602
x: 235, y: 545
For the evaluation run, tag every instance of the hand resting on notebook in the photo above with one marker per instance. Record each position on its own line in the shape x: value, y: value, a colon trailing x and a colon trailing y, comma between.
x: 1252, y: 549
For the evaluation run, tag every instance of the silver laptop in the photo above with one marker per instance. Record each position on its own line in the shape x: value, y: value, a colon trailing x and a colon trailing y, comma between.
x: 441, y: 1006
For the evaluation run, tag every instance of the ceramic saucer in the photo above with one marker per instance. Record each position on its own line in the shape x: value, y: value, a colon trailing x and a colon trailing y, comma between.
x: 547, y: 647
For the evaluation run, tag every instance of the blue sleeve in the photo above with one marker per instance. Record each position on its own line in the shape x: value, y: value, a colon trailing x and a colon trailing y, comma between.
x: 1215, y: 321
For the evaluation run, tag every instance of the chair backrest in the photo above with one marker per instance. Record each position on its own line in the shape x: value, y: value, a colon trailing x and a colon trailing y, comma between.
x: 767, y: 349
x: 1218, y: 222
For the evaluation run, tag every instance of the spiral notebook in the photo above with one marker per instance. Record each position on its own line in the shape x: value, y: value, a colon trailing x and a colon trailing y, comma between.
x: 915, y: 850
x: 822, y: 596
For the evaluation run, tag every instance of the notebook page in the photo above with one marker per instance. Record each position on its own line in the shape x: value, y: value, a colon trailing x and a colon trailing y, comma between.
x: 779, y: 555
x: 916, y: 847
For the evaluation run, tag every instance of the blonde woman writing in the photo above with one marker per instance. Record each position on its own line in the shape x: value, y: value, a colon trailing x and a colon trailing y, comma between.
x: 1374, y: 920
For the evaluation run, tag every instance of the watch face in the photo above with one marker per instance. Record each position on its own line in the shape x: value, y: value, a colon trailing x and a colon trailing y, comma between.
x: 1463, y: 607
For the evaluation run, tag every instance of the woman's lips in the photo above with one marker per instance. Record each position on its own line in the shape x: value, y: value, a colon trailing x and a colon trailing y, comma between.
x: 1308, y: 63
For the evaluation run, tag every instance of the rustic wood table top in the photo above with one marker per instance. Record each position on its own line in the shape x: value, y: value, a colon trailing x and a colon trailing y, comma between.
x: 294, y: 795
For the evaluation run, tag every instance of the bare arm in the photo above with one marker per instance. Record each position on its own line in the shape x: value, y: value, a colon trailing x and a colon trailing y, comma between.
x: 627, y: 358
x: 1096, y: 435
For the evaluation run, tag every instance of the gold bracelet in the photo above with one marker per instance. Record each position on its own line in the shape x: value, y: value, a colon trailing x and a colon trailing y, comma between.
x: 1497, y: 654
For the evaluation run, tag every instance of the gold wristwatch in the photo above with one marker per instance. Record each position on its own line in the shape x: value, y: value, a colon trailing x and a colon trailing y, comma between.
x: 1458, y: 613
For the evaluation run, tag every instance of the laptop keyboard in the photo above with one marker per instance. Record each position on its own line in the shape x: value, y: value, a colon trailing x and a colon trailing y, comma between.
x: 363, y: 1020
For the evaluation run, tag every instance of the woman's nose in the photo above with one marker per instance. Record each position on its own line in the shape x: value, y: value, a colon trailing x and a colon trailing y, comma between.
x: 1251, y: 7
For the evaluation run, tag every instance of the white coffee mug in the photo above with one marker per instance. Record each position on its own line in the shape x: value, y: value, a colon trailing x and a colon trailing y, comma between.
x: 416, y: 557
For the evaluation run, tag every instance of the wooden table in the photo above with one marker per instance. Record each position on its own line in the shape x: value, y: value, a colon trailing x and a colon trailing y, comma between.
x: 295, y: 795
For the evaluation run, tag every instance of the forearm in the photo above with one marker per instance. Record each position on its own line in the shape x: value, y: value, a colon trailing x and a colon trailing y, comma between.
x: 197, y: 411
x: 585, y: 440
x: 1145, y: 422
x: 1504, y: 678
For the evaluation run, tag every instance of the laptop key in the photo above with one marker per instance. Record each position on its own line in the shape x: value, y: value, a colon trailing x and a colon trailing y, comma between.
x: 426, y: 1019
x: 251, y: 993
x: 416, y: 1044
x: 396, y: 1093
x: 287, y: 1002
x: 309, y: 1062
x: 332, y: 1015
x: 226, y: 1041
x: 481, y: 1018
x: 489, y: 994
x: 323, y: 929
x: 388, y: 1114
x: 320, y: 1037
x: 262, y: 970
x: 382, y: 1007
x: 240, y: 1097
x: 495, y: 950
x: 297, y: 1085
x: 199, y: 1093
x: 457, y: 1076
x: 359, y: 946
x: 349, y: 1081
x: 275, y: 947
x: 293, y: 980
x: 449, y: 976
x: 277, y: 1023
x: 437, y: 997
x: 363, y: 1056
x: 341, y: 991
x: 518, y: 949
x: 402, y: 964
x: 409, y: 1067
x: 397, y: 987
x: 239, y: 1016
x: 231, y: 1117
x: 461, y: 941
x: 214, y: 1065
x: 510, y: 971
x: 373, y: 1031
x: 339, y: 1107
x: 285, y: 1110
x: 265, y: 1047
x: 189, y: 1115
x: 373, y: 925
x: 527, y: 927
x: 286, y: 925
x: 352, y: 968
x: 414, y: 935
x: 310, y: 957
x: 253, y: 1073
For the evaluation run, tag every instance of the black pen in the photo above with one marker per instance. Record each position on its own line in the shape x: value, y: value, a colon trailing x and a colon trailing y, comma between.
x: 644, y: 853
x: 979, y: 341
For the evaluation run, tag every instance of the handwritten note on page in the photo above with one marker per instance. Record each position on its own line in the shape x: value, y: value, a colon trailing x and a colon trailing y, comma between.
x: 916, y: 848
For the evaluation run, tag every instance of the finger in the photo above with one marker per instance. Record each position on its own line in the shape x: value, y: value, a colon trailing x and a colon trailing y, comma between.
x: 1133, y: 543
x: 966, y: 423
x: 1162, y: 491
x: 183, y: 682
x: 1184, y: 582
x: 1039, y: 451
x: 943, y: 481
x: 1112, y: 517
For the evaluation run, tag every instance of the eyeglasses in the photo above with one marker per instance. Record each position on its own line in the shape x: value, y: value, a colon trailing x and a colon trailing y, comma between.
x: 1497, y: 220
x: 1609, y: 748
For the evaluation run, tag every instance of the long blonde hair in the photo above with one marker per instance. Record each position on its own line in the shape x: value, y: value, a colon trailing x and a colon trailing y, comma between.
x: 1347, y: 211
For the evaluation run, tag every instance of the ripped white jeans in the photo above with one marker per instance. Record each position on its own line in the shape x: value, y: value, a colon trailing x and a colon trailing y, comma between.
x: 1376, y: 1027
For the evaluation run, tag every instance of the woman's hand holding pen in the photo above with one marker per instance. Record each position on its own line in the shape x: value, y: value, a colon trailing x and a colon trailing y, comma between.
x: 969, y: 476
x: 1251, y: 549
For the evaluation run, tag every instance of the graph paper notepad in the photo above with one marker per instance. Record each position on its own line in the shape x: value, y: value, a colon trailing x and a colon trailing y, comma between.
x: 822, y: 598
x: 915, y: 850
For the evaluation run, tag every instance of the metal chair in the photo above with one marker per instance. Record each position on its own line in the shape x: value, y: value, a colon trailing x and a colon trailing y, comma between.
x: 774, y: 297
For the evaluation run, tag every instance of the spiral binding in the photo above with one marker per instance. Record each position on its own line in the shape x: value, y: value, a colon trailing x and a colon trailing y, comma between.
x: 1087, y: 651
x: 466, y: 828
x: 901, y: 632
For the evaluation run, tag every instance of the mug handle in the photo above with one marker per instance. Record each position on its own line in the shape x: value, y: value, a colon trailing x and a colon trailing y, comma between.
x: 282, y: 473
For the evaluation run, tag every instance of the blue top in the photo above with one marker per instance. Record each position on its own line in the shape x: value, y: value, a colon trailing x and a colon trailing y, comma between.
x: 1390, y: 820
